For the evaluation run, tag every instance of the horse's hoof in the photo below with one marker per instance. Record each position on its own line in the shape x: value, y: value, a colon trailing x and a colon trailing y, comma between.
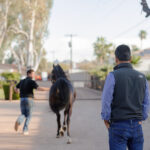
x: 61, y: 132
x: 69, y: 140
x: 64, y: 127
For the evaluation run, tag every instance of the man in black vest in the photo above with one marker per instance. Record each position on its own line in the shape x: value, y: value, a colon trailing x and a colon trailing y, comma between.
x: 26, y: 87
x: 125, y: 103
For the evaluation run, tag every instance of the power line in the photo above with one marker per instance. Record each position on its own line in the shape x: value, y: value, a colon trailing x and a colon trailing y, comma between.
x: 131, y: 28
x: 105, y: 2
x: 111, y: 11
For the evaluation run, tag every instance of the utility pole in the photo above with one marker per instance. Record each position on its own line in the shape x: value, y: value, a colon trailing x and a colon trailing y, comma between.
x: 71, y: 49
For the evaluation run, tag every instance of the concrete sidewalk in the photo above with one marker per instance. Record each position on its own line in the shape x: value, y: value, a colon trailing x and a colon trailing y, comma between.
x: 87, y: 130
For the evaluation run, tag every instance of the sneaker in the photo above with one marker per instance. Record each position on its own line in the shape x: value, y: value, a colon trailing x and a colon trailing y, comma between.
x: 16, y: 126
x: 25, y: 133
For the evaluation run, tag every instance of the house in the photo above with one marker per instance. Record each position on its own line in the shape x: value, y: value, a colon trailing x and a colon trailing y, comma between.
x: 10, y: 68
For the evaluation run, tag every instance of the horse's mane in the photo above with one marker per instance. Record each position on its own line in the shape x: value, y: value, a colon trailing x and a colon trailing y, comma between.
x: 59, y: 72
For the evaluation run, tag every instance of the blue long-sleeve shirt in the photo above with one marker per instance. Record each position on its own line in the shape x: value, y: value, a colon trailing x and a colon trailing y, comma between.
x: 107, y: 97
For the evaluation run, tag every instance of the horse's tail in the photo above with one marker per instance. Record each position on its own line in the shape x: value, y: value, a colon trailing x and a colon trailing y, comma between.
x: 59, y: 95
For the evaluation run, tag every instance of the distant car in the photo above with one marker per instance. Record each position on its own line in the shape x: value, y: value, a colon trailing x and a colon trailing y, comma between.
x: 38, y: 77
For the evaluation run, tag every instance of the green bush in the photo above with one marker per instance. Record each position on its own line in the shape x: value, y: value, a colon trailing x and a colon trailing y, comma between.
x: 135, y: 60
x: 148, y: 76
x: 1, y: 84
x: 6, y: 91
x: 2, y: 94
x: 6, y: 88
x: 102, y: 72
x: 8, y: 78
x: 15, y: 96
x: 11, y: 76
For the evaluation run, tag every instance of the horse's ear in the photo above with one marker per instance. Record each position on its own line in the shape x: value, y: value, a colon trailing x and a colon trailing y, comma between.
x: 60, y: 67
x: 53, y: 66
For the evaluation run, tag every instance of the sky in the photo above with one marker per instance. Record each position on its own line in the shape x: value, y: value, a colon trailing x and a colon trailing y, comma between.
x: 119, y: 21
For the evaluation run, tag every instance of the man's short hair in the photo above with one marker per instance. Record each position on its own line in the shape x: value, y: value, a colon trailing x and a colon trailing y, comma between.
x: 30, y: 71
x: 123, y: 53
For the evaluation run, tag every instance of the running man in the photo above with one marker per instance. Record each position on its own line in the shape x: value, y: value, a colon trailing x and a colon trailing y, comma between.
x: 26, y: 87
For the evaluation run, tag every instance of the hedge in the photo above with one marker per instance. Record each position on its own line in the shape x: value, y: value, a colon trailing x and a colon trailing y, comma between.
x: 6, y: 88
x: 14, y: 76
x: 8, y: 78
x: 148, y: 76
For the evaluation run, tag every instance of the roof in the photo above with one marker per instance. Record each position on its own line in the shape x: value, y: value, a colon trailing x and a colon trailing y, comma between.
x: 145, y: 52
x: 8, y: 66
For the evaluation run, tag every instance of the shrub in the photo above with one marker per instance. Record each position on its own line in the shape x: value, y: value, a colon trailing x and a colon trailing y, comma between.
x: 8, y: 78
x: 148, y: 76
x: 6, y: 88
x: 15, y: 96
x: 135, y: 60
x: 102, y: 72
x: 6, y: 91
x: 1, y: 84
x: 11, y: 76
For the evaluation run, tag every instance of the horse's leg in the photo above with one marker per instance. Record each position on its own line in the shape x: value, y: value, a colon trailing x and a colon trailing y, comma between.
x: 65, y: 118
x: 58, y: 123
x: 68, y: 125
x: 60, y: 131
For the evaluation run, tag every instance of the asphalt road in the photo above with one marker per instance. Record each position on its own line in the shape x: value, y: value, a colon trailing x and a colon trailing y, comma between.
x: 87, y: 129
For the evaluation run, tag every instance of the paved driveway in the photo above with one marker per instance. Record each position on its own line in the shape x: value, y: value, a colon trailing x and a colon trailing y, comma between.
x: 87, y: 130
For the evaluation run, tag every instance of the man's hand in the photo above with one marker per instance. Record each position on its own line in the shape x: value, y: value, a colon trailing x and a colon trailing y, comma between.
x: 107, y: 124
x: 43, y: 89
x: 140, y: 122
x: 16, y: 90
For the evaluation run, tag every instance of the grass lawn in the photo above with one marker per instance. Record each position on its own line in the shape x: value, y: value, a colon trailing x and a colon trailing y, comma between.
x: 1, y: 94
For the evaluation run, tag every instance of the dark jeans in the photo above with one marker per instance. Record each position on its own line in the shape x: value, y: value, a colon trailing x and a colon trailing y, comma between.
x: 26, y: 106
x: 123, y: 134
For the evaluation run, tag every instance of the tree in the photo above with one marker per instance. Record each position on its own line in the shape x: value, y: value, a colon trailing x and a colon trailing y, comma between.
x: 45, y: 66
x: 27, y: 24
x: 142, y: 36
x: 65, y: 66
x: 102, y: 49
x: 4, y: 11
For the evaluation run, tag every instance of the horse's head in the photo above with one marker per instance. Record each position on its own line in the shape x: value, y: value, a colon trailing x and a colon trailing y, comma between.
x: 56, y: 73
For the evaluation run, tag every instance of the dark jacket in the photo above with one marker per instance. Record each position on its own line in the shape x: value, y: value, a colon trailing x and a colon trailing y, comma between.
x: 129, y: 93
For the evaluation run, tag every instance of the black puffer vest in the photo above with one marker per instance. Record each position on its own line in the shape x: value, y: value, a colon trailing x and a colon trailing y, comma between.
x: 129, y: 93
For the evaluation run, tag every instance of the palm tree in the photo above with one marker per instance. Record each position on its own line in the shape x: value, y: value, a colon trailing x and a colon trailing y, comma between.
x: 142, y: 36
x: 102, y: 49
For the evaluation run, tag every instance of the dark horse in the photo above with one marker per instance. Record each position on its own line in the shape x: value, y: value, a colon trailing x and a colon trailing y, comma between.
x: 62, y: 97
